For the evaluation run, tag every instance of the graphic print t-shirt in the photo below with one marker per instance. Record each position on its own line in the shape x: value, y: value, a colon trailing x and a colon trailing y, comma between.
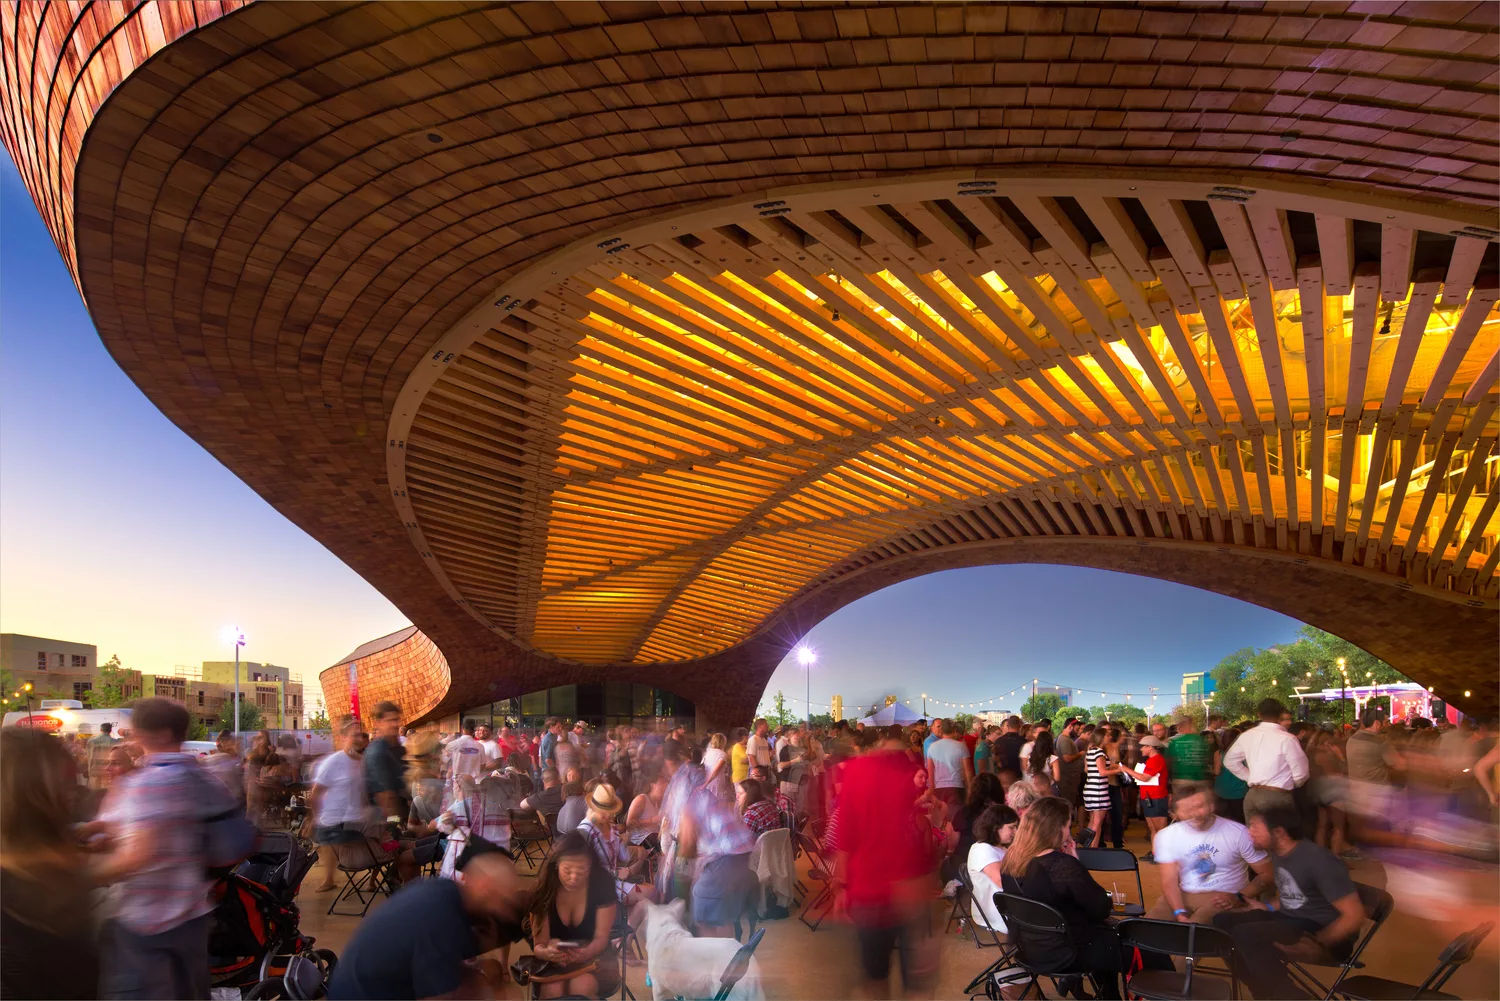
x: 1211, y: 861
x: 1309, y: 878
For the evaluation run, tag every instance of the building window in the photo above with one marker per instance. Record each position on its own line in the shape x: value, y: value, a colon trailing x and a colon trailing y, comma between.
x: 200, y: 696
x: 80, y: 661
x: 60, y: 660
x: 80, y: 688
x: 41, y: 661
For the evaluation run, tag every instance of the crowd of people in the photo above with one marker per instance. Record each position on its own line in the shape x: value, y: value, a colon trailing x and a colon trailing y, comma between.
x: 106, y: 868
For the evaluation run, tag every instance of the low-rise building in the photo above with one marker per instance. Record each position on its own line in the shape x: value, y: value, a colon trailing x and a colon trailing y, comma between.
x: 56, y: 668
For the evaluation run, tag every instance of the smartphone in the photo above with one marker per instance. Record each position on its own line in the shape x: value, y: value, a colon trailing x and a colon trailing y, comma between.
x: 566, y: 945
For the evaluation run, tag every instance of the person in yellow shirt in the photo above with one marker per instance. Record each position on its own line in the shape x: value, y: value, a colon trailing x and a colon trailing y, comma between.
x: 739, y: 758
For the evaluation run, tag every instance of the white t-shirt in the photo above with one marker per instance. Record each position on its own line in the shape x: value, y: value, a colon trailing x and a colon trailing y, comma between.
x: 981, y: 855
x: 758, y: 750
x: 713, y: 757
x: 947, y: 757
x: 344, y: 800
x: 492, y: 748
x: 1215, y: 860
x: 466, y: 756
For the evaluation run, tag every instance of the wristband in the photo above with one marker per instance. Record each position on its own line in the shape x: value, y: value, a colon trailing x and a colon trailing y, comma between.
x: 1270, y: 906
x: 1179, y: 912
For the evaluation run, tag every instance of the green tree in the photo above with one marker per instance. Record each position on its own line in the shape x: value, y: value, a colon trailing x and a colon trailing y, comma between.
x: 821, y: 720
x: 1068, y: 712
x: 1195, y: 710
x: 1042, y: 706
x: 196, y: 730
x: 110, y: 688
x: 319, y: 719
x: 251, y: 718
x: 778, y: 715
x: 965, y: 721
x: 1309, y: 663
x: 1124, y: 713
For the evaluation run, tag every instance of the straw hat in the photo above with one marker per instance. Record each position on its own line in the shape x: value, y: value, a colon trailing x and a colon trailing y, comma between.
x: 603, y: 800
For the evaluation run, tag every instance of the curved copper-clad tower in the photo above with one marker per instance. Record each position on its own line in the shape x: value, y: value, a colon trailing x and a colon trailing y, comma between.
x: 627, y: 341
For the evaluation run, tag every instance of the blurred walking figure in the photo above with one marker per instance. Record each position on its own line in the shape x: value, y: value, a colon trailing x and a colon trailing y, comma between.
x: 156, y: 817
x: 47, y: 937
x: 98, y: 754
x: 338, y: 802
x: 224, y: 765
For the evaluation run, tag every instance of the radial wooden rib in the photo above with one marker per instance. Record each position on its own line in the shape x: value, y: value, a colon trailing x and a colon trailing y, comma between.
x: 742, y: 408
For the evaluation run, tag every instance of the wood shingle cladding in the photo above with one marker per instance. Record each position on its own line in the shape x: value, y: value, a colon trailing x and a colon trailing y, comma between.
x: 1199, y: 282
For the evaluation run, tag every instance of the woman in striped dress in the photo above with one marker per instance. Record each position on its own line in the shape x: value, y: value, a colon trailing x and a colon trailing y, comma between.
x: 1096, y: 775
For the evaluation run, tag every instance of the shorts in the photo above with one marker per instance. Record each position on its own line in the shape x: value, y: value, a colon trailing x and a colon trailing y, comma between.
x: 337, y: 834
x: 879, y: 935
x: 722, y: 891
x: 1155, y: 806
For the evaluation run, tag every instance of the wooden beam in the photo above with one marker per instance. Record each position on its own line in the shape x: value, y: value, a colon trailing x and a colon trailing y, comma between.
x: 1398, y: 245
x: 1336, y: 248
x: 1274, y: 239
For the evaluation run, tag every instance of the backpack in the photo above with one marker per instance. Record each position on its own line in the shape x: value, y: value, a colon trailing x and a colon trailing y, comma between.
x: 228, y: 836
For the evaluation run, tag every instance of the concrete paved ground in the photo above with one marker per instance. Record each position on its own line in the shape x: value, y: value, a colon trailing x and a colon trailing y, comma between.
x: 800, y: 964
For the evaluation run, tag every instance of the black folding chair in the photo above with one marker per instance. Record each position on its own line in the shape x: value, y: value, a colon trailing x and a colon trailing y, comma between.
x: 529, y: 837
x: 738, y: 965
x: 1364, y: 987
x: 817, y: 905
x: 1029, y: 923
x: 1378, y: 905
x: 971, y: 914
x: 1190, y: 942
x: 366, y: 876
x: 1116, y: 860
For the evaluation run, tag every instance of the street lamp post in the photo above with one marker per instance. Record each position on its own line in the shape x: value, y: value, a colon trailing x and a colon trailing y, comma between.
x: 234, y: 635
x: 807, y: 656
x: 1344, y: 691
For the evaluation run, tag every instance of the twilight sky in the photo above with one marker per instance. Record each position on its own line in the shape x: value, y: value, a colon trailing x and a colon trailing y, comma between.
x: 117, y: 529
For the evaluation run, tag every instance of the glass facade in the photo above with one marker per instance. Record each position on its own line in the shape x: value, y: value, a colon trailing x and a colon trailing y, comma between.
x: 607, y: 704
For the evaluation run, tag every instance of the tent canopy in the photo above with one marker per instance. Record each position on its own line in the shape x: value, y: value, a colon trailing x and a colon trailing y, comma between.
x: 893, y: 713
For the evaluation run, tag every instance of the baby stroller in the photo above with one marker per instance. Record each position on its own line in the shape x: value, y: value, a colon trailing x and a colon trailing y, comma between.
x: 254, y: 941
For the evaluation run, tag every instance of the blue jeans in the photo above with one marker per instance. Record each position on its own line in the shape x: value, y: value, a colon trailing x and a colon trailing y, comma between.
x: 168, y: 965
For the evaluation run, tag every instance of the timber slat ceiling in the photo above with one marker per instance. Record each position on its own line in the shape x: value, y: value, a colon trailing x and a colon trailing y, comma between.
x: 727, y: 416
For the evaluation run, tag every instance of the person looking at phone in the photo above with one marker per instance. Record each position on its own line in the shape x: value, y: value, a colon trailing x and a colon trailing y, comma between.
x: 572, y: 912
x: 422, y: 942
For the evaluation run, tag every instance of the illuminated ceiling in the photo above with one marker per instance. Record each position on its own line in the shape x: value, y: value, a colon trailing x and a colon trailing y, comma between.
x: 648, y: 444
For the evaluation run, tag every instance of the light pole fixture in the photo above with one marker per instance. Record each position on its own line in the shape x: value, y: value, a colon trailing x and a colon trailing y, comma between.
x: 807, y: 656
x: 233, y: 634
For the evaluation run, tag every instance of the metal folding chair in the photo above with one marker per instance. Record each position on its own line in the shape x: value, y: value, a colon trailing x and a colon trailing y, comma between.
x: 1117, y: 860
x: 1364, y: 987
x: 1191, y: 943
x: 1378, y: 906
x: 738, y: 965
x: 1029, y: 920
x: 818, y: 905
x: 529, y: 837
x: 365, y: 881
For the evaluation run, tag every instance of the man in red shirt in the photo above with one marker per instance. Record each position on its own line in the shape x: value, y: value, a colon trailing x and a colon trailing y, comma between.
x: 884, y: 866
x: 974, y: 736
x: 1153, y: 797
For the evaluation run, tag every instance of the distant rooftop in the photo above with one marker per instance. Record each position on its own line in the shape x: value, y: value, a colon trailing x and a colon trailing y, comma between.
x: 375, y: 646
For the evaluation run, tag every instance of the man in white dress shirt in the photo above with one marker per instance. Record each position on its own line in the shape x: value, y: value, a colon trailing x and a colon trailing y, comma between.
x: 1269, y: 760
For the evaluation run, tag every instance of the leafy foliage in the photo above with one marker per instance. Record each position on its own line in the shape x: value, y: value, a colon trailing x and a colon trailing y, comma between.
x: 1310, y: 662
x: 819, y: 719
x: 110, y: 689
x: 196, y: 730
x: 1045, y: 705
x: 251, y: 718
x: 778, y: 715
x: 319, y: 719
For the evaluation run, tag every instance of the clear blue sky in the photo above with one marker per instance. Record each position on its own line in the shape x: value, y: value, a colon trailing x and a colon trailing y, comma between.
x: 116, y: 529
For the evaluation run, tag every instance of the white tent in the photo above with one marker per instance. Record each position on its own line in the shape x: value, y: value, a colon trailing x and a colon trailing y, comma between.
x: 896, y: 712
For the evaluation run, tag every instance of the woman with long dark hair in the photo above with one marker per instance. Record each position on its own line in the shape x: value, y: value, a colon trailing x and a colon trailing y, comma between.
x: 572, y: 913
x: 1042, y: 768
x: 985, y: 791
x: 1039, y: 865
x: 47, y: 935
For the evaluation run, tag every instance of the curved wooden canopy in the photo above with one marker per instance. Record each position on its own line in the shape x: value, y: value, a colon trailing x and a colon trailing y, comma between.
x: 603, y: 339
